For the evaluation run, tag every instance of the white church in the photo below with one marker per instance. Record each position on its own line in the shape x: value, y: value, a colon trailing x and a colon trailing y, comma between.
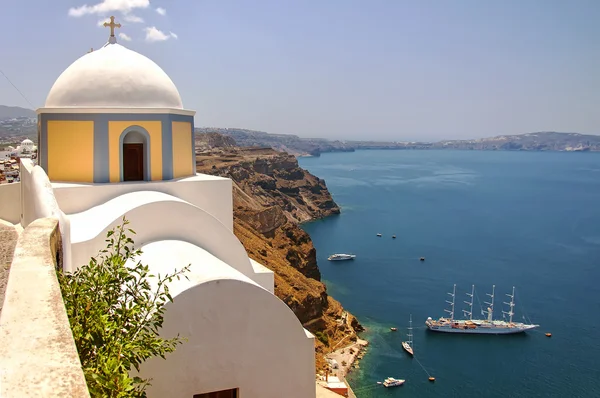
x: 115, y: 141
x: 24, y: 150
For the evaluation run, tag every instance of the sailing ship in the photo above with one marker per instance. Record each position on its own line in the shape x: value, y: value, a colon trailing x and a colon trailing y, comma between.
x: 408, y: 344
x: 479, y: 326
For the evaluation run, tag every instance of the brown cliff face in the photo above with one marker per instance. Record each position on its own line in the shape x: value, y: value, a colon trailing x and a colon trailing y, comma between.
x: 271, y: 195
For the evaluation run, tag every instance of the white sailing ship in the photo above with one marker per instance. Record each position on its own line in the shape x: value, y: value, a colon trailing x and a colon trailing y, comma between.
x: 408, y: 345
x: 479, y: 326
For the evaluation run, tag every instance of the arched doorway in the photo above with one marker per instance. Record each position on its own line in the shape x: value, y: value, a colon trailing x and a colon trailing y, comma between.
x: 134, y: 157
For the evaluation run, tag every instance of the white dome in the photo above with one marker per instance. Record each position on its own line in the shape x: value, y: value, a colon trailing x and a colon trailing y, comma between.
x: 27, y: 141
x: 114, y: 77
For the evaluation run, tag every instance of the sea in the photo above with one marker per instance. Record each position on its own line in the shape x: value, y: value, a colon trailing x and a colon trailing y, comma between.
x: 524, y: 219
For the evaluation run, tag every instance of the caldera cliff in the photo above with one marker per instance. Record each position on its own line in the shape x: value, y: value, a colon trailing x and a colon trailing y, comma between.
x: 271, y: 196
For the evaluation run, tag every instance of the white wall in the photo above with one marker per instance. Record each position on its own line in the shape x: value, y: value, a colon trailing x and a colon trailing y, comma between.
x: 10, y: 202
x: 263, y: 276
x: 156, y: 216
x: 210, y: 193
x: 239, y: 336
x: 38, y: 201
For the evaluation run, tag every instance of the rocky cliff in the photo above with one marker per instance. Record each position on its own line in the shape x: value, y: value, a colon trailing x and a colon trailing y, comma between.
x: 271, y: 195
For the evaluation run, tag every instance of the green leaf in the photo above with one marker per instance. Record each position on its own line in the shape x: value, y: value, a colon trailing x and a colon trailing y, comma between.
x: 116, y: 316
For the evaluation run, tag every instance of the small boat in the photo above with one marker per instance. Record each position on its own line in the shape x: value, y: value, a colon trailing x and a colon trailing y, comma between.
x: 379, y: 235
x: 422, y: 259
x: 393, y: 236
x: 408, y: 344
x: 431, y: 379
x: 391, y: 382
x: 394, y: 329
x: 341, y: 257
x: 548, y: 334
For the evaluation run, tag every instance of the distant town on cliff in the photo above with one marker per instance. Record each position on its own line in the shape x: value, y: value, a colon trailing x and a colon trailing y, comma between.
x: 17, y: 124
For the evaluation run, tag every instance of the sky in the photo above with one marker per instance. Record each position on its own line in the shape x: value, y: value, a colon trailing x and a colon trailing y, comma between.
x: 338, y: 69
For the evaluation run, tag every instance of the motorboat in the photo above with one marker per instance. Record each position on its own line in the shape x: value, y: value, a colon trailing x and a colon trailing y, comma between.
x: 341, y: 257
x: 392, y: 382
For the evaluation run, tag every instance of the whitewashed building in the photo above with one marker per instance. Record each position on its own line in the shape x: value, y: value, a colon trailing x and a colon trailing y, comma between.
x: 130, y: 154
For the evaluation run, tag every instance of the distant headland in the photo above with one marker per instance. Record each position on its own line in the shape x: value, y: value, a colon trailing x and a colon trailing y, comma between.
x: 17, y: 124
x: 540, y: 141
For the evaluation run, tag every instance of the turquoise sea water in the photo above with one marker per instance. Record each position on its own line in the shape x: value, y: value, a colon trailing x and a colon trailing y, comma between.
x: 526, y: 219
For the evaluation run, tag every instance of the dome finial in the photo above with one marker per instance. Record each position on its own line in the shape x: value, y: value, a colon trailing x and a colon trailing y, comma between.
x: 112, y: 39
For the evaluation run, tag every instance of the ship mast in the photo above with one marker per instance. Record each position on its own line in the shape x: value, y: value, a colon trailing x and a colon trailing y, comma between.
x: 451, y: 311
x: 510, y: 312
x: 490, y: 311
x: 470, y: 312
x: 410, y: 335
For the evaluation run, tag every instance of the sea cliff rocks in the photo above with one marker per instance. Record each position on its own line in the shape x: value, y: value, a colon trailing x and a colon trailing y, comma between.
x: 271, y: 195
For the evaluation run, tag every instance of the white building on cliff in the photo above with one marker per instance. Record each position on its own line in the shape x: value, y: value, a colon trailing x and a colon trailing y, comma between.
x: 114, y: 142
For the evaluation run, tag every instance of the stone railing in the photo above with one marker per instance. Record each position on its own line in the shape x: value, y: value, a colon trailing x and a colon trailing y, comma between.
x: 38, y: 357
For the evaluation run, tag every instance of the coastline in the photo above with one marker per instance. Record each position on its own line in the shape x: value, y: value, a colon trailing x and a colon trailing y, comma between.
x: 343, y: 360
x: 273, y: 196
x: 348, y: 357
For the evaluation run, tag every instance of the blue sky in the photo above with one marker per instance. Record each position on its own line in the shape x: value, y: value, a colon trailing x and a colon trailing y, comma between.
x: 380, y: 69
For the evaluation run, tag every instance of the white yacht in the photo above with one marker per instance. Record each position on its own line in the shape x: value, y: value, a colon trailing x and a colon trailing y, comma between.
x: 341, y: 257
x: 391, y: 382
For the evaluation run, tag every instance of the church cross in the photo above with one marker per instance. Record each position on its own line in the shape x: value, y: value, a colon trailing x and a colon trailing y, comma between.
x: 112, y: 26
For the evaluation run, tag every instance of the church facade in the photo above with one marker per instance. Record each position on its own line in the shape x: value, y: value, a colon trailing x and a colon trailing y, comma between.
x: 114, y: 142
x: 118, y: 116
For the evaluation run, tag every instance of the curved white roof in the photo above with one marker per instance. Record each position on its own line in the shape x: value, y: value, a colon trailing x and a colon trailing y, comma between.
x: 114, y: 77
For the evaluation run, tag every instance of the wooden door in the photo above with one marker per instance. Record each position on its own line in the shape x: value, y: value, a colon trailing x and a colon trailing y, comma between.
x: 219, y: 394
x: 133, y: 162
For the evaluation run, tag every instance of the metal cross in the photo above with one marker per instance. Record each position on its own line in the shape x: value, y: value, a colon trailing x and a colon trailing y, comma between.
x: 112, y: 26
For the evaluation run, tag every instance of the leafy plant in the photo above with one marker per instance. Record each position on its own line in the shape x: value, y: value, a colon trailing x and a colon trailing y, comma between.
x: 116, y: 308
x: 323, y: 338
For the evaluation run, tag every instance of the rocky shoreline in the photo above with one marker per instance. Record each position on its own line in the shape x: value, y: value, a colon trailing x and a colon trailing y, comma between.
x: 348, y: 357
x: 342, y: 361
x: 272, y: 195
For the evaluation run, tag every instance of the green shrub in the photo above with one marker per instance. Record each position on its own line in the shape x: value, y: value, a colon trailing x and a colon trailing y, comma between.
x: 323, y: 338
x: 115, y: 311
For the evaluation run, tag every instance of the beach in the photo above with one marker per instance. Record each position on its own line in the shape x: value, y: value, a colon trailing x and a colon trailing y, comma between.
x: 345, y: 359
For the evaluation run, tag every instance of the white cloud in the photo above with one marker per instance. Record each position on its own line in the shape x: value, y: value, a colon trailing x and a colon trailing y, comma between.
x: 132, y: 18
x: 102, y: 21
x: 106, y: 6
x: 153, y: 34
x: 123, y: 36
x: 129, y: 18
x: 161, y: 11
